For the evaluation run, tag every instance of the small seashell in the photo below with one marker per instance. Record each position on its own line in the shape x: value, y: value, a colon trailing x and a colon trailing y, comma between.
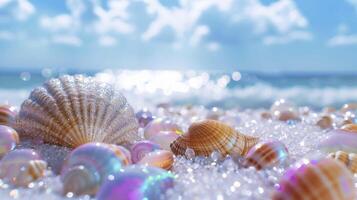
x: 266, y: 154
x: 159, y: 158
x: 266, y: 115
x: 349, y: 159
x: 141, y: 148
x: 284, y: 110
x: 137, y: 182
x: 7, y: 115
x: 207, y: 136
x: 351, y: 128
x: 74, y: 110
x: 325, y: 179
x: 160, y: 124
x: 87, y: 166
x: 21, y: 167
x: 144, y: 116
x: 164, y: 139
x: 325, y: 122
x: 348, y: 107
x: 122, y: 153
x: 8, y: 139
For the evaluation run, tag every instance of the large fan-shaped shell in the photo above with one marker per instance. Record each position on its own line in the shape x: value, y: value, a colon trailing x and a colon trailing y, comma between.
x: 207, y: 136
x: 73, y: 110
x: 326, y: 179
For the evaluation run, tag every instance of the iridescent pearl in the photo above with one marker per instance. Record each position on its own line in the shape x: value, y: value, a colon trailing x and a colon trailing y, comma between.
x: 141, y: 148
x: 21, y: 167
x: 160, y: 124
x: 339, y: 140
x: 8, y: 139
x: 87, y: 166
x: 266, y: 154
x: 144, y: 116
x: 7, y: 114
x: 137, y: 183
x: 164, y: 139
x: 159, y: 158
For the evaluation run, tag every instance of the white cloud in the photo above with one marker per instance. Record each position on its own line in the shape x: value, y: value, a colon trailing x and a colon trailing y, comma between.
x: 283, y: 15
x: 342, y: 40
x: 353, y: 3
x: 213, y: 46
x: 198, y: 34
x: 287, y: 38
x: 107, y: 41
x: 114, y: 19
x: 20, y: 9
x: 57, y: 23
x: 182, y: 19
x: 70, y: 40
x: 343, y: 37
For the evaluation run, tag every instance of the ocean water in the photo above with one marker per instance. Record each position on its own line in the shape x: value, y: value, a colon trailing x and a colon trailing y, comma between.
x: 221, y: 89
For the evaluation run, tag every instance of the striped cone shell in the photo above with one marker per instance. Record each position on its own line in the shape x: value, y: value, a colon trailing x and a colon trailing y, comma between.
x: 207, y: 136
x: 266, y: 154
x: 326, y: 179
x: 74, y: 110
x: 159, y: 158
x: 7, y: 115
x: 349, y: 159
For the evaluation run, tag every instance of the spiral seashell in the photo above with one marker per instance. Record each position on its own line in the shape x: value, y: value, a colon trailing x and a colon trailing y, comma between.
x: 141, y: 148
x: 349, y: 159
x: 7, y: 115
x: 8, y: 139
x: 266, y: 154
x: 207, y: 136
x: 160, y: 124
x: 144, y: 116
x: 159, y: 158
x: 164, y: 139
x: 325, y: 122
x: 74, y: 110
x: 325, y: 179
x: 137, y: 182
x: 21, y: 167
x: 87, y: 166
x: 351, y: 128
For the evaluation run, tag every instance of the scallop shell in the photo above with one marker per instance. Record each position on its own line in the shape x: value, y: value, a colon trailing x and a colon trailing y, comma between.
x: 7, y: 115
x: 352, y: 128
x: 74, y: 110
x: 21, y: 167
x: 141, y: 148
x: 349, y: 159
x: 8, y: 139
x: 159, y: 158
x: 207, y: 136
x: 87, y: 166
x: 325, y: 179
x: 266, y: 154
x: 137, y: 182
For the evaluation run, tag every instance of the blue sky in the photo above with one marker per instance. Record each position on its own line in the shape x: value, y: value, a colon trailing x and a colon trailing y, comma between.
x: 260, y: 35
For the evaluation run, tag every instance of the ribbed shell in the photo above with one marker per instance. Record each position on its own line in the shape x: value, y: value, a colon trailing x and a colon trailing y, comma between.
x: 352, y: 128
x: 73, y: 110
x: 266, y: 154
x: 7, y: 115
x: 326, y: 179
x: 207, y: 136
x: 349, y: 159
